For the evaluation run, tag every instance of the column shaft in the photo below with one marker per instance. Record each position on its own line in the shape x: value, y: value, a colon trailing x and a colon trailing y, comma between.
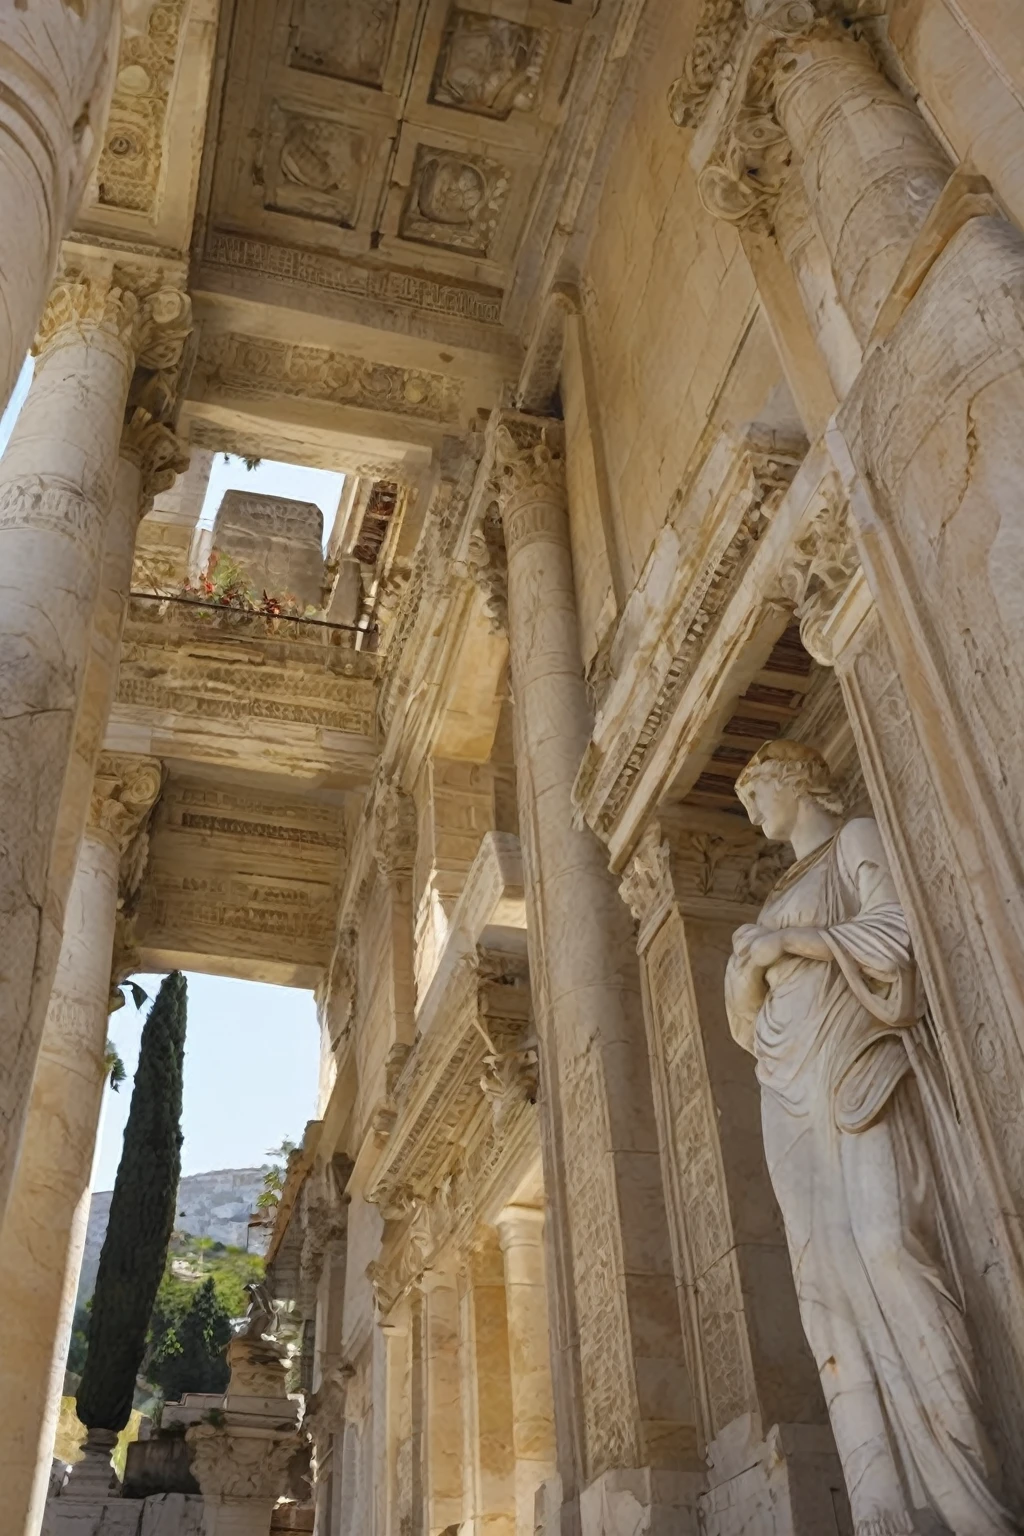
x: 56, y: 481
x: 621, y: 1390
x: 870, y: 166
x: 44, y: 1231
x: 520, y: 1229
x: 57, y: 64
x: 442, y: 1438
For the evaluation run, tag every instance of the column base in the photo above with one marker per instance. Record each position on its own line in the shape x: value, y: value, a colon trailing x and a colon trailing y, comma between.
x: 93, y: 1478
x: 641, y: 1501
x: 787, y: 1483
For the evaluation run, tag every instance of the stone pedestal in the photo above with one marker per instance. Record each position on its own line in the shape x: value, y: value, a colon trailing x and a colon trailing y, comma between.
x: 521, y: 1229
x: 57, y: 64
x: 621, y: 1389
x: 56, y: 488
x: 43, y: 1234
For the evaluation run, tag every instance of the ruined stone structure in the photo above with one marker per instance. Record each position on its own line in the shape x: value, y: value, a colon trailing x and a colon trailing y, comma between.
x: 673, y: 356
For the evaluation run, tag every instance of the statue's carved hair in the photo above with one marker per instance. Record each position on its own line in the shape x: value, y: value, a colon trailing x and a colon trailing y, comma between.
x: 794, y: 763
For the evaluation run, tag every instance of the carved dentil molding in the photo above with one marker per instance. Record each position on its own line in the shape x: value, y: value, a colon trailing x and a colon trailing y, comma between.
x: 819, y: 568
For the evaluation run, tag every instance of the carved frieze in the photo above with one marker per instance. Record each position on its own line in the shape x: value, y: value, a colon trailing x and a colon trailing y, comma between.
x: 488, y: 65
x: 311, y: 269
x: 347, y: 41
x: 456, y: 200
x: 130, y: 167
x: 234, y: 364
x: 315, y: 167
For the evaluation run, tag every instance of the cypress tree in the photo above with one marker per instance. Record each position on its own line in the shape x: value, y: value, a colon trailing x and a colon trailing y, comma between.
x: 142, y: 1211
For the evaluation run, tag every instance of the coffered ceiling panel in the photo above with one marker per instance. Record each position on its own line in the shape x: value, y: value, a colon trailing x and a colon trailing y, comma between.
x: 409, y: 131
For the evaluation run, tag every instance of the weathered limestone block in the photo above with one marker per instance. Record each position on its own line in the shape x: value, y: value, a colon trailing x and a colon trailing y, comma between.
x: 278, y: 544
x: 57, y: 63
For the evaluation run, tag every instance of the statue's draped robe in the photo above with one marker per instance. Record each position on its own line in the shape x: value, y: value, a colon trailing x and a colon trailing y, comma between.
x: 845, y: 1069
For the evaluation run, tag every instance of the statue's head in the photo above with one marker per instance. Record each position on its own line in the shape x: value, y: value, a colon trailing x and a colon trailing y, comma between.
x: 778, y: 777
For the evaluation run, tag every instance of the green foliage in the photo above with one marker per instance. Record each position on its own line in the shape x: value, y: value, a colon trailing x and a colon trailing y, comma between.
x: 142, y: 1210
x: 79, y: 1340
x: 273, y: 1179
x: 113, y: 1066
x: 189, y: 1356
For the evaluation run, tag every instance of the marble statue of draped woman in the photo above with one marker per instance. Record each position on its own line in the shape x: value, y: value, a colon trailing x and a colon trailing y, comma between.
x: 823, y: 991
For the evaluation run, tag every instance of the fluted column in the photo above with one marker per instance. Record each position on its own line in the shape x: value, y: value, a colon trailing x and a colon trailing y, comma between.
x: 622, y: 1397
x: 521, y: 1231
x: 56, y: 489
x: 57, y: 63
x: 43, y: 1234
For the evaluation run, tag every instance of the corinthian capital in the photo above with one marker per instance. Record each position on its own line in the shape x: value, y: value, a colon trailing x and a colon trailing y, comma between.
x: 78, y: 305
x: 394, y: 823
x: 125, y: 789
x: 159, y: 454
x: 646, y: 886
x: 529, y: 459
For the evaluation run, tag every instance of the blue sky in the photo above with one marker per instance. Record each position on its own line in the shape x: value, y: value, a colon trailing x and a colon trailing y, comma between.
x: 251, y: 1059
x: 252, y: 1051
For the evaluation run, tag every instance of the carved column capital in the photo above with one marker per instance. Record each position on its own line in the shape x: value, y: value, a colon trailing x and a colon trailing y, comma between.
x: 819, y: 567
x: 80, y: 305
x: 646, y: 886
x: 158, y: 453
x: 125, y: 789
x: 529, y: 480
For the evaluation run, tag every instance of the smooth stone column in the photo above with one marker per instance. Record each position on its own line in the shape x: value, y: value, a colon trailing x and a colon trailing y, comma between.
x: 871, y: 169
x: 43, y: 1235
x: 57, y: 64
x: 521, y: 1232
x: 443, y: 1430
x: 56, y: 486
x: 622, y: 1395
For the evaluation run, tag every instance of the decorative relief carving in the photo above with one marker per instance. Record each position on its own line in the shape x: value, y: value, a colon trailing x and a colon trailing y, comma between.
x: 247, y: 365
x: 228, y: 1466
x: 394, y: 822
x: 718, y: 25
x: 820, y: 567
x: 307, y: 269
x: 318, y: 167
x: 79, y: 304
x: 125, y: 789
x: 348, y: 42
x: 697, y: 616
x: 646, y: 885
x: 455, y: 200
x: 160, y: 455
x: 128, y: 175
x: 510, y: 1079
x: 488, y: 566
x: 488, y: 65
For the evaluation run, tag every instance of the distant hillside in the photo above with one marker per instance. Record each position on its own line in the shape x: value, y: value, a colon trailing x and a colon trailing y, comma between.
x: 216, y: 1205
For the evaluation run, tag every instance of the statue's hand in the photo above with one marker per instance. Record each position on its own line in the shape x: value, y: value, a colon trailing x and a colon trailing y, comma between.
x: 744, y: 937
x: 766, y: 948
